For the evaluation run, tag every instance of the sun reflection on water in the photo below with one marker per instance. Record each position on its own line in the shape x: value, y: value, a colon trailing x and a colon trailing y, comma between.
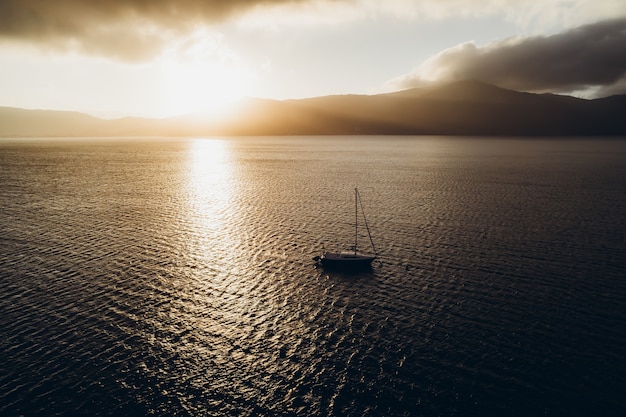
x: 220, y: 282
x: 217, y: 235
x: 233, y: 294
x: 210, y: 183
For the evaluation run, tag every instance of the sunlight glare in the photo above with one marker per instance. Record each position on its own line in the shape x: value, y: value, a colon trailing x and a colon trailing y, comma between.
x: 200, y: 75
x: 210, y: 186
x: 209, y: 169
x: 202, y: 87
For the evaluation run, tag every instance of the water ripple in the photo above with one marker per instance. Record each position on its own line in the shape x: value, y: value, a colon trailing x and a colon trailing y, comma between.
x: 174, y: 277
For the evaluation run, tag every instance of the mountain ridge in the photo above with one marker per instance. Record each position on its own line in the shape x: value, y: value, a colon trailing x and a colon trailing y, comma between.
x: 460, y: 108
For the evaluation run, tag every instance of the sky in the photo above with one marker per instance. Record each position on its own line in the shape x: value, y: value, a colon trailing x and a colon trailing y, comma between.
x: 162, y: 58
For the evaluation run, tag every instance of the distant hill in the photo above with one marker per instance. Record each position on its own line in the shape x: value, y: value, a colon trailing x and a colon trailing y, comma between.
x: 461, y: 108
x: 20, y: 122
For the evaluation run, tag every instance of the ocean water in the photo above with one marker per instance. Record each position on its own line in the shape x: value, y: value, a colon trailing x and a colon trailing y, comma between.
x: 174, y: 277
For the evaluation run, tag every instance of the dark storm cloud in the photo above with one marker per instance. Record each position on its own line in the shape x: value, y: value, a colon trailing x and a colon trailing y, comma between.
x: 125, y: 29
x: 591, y: 56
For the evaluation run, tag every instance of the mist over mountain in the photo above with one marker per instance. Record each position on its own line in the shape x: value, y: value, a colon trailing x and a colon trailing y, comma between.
x: 459, y: 108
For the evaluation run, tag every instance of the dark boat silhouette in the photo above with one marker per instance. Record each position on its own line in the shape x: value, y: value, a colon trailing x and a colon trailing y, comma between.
x: 351, y: 259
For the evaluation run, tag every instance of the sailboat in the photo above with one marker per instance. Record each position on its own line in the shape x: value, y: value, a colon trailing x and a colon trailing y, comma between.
x: 352, y: 259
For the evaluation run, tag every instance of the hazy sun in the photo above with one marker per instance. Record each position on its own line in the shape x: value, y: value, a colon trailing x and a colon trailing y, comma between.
x: 200, y: 74
x: 194, y: 87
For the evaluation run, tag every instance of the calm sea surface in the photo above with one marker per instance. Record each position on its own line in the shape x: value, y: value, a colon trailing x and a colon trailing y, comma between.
x: 175, y: 277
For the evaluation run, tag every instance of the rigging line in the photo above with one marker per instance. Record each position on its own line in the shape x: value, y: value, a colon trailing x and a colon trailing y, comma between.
x: 365, y: 221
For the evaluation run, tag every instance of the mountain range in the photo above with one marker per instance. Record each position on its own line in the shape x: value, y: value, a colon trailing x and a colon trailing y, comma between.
x: 460, y: 108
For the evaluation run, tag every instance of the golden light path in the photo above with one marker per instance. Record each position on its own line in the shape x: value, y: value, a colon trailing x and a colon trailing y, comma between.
x: 222, y: 290
x: 210, y: 179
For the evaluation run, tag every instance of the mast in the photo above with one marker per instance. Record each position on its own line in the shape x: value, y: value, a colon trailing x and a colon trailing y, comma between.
x: 356, y: 218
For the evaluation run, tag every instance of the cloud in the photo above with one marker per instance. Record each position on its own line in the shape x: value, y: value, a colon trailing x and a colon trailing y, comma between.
x: 586, y: 58
x: 131, y: 30
x: 138, y: 30
x: 530, y: 15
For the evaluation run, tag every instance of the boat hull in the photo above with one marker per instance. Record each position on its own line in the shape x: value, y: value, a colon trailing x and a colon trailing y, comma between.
x: 346, y: 261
